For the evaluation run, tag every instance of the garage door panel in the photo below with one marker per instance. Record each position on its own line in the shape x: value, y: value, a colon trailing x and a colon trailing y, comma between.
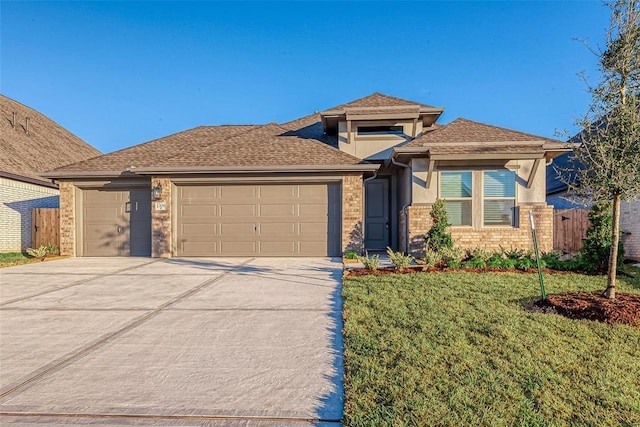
x: 206, y: 247
x: 288, y: 210
x: 238, y: 229
x: 198, y: 211
x: 233, y: 210
x: 204, y: 230
x: 261, y: 219
x: 278, y: 248
x: 238, y: 248
x: 285, y: 229
x: 199, y: 193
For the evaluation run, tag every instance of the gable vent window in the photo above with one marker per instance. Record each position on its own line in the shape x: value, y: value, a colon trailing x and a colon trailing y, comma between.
x: 499, y: 197
x: 380, y: 130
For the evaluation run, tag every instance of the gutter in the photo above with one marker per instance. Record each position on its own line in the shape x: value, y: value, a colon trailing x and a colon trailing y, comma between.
x: 365, y: 167
x: 26, y: 179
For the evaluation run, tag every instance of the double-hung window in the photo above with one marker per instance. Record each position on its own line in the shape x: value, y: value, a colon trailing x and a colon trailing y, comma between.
x: 457, y: 191
x: 499, y: 197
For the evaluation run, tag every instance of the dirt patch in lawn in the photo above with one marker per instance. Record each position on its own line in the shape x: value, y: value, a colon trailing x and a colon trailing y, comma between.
x: 625, y: 309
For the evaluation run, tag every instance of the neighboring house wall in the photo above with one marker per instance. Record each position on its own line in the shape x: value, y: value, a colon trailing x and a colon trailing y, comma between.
x: 630, y: 226
x: 17, y: 200
x: 488, y: 237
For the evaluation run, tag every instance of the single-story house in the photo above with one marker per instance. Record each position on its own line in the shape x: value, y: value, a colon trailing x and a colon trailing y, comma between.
x: 558, y: 197
x: 30, y: 143
x: 362, y: 175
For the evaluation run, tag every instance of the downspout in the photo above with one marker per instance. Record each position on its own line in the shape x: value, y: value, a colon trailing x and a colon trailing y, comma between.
x: 405, y: 208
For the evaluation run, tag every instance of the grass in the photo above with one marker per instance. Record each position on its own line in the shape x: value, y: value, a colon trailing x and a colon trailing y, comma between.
x: 461, y: 349
x: 15, y: 258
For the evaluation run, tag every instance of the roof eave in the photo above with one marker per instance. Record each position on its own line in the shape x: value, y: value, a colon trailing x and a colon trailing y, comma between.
x: 87, y: 174
x: 363, y: 167
x: 27, y: 179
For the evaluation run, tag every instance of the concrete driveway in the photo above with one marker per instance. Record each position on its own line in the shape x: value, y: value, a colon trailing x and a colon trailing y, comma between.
x: 139, y: 341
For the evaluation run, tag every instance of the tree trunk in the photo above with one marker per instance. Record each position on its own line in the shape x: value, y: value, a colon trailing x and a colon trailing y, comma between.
x: 610, y: 292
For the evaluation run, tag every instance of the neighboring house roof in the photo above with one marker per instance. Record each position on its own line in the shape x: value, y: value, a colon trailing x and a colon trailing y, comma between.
x: 24, y: 156
x: 554, y: 184
x: 218, y: 148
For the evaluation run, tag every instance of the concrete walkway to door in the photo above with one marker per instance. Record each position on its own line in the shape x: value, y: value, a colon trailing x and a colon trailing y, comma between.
x: 140, y: 341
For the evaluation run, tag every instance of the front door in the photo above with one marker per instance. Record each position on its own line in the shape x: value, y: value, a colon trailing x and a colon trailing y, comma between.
x: 376, y: 196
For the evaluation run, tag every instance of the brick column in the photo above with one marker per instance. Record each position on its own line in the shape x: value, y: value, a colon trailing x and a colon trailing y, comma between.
x: 67, y: 218
x: 161, y: 220
x: 352, y: 213
x: 419, y: 223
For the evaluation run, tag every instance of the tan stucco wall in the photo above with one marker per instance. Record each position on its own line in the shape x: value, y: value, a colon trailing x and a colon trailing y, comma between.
x: 422, y: 194
x: 374, y: 146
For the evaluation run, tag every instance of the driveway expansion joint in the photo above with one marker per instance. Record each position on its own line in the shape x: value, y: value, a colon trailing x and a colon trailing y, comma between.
x: 76, y: 283
x: 74, y: 355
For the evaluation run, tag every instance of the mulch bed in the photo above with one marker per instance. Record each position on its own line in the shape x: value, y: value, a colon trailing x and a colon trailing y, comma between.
x: 625, y: 309
x: 422, y: 269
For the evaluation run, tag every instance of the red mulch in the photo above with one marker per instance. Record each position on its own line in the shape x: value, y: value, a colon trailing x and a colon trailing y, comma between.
x: 625, y: 309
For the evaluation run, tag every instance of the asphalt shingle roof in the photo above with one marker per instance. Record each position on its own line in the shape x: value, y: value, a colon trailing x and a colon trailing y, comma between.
x: 48, y: 145
x: 467, y: 131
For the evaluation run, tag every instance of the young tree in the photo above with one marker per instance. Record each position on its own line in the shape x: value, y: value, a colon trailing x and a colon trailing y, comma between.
x: 607, y: 158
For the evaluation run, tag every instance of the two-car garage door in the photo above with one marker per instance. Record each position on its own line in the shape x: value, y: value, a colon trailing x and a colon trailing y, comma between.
x: 258, y: 220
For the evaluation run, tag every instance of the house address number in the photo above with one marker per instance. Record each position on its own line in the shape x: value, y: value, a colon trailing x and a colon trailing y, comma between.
x: 161, y: 206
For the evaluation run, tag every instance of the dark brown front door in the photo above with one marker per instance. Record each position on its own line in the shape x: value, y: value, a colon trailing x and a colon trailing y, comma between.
x: 376, y: 197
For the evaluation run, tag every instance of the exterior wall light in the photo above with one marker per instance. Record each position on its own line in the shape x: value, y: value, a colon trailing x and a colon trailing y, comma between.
x: 156, y: 192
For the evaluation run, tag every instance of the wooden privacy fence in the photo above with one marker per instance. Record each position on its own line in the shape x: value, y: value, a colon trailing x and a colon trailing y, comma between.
x: 45, y: 227
x: 569, y: 228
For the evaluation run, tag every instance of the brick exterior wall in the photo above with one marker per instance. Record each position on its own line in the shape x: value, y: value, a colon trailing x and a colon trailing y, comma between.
x: 352, y: 213
x: 489, y: 238
x: 161, y: 220
x: 67, y: 218
x: 630, y: 227
x: 17, y: 199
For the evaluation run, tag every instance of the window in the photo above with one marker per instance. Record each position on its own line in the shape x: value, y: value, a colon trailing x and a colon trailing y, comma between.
x: 380, y: 130
x: 457, y: 192
x: 499, y: 197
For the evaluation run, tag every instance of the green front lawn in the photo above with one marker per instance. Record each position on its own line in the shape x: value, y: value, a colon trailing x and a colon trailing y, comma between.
x: 15, y: 258
x: 459, y: 348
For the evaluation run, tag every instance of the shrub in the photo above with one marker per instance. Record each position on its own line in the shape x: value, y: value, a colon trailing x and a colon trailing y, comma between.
x: 431, y: 257
x: 525, y: 263
x: 52, y: 249
x: 479, y: 253
x: 39, y: 252
x: 508, y: 263
x: 475, y: 263
x: 351, y: 255
x: 515, y: 254
x: 496, y: 261
x: 399, y: 259
x: 438, y: 238
x: 370, y: 262
x: 452, y: 256
x: 595, y: 251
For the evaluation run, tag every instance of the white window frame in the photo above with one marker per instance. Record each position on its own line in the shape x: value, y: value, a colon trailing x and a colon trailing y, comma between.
x: 460, y: 199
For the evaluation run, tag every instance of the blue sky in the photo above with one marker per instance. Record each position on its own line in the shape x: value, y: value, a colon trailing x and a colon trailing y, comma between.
x: 122, y: 73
